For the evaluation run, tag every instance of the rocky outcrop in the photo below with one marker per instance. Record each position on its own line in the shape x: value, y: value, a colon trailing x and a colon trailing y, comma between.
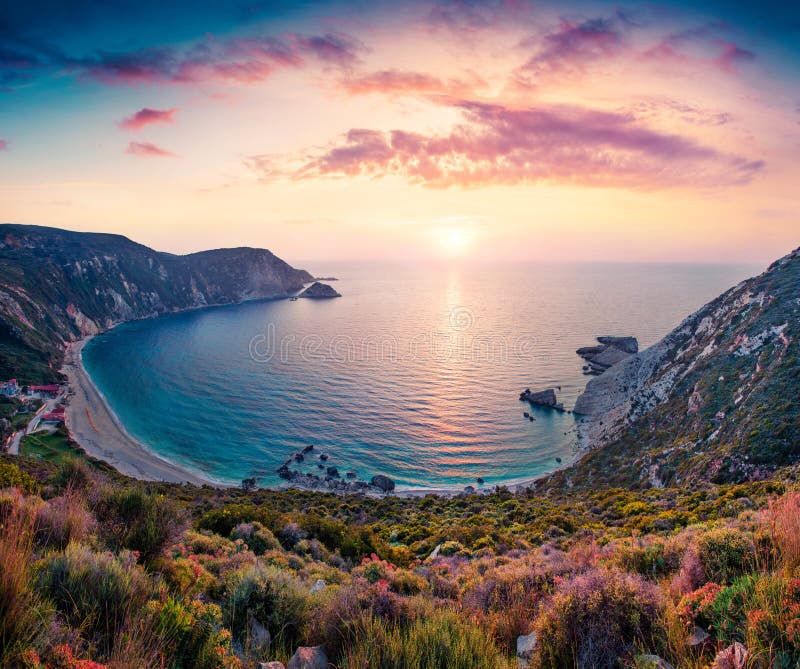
x: 542, y: 398
x: 609, y: 352
x: 62, y: 285
x: 319, y: 291
x: 708, y: 401
x: 382, y: 482
x: 309, y: 657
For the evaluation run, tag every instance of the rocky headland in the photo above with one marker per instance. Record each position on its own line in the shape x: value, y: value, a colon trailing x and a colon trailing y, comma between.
x: 607, y: 352
x: 319, y: 291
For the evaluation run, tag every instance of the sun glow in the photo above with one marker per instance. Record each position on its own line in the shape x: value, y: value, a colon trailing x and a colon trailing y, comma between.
x: 455, y: 242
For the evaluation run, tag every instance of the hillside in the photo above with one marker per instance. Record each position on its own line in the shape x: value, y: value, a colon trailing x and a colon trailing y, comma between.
x: 715, y: 400
x: 57, y: 285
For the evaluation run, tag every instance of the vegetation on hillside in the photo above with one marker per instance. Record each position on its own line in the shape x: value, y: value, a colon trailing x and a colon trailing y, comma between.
x: 100, y: 570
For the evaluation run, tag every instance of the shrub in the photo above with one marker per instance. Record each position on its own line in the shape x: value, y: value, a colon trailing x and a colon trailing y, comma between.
x: 595, y: 619
x: 62, y: 520
x: 12, y: 476
x: 275, y: 598
x: 449, y: 548
x: 725, y: 554
x: 138, y: 521
x: 192, y: 635
x: 95, y: 592
x: 441, y: 640
x: 22, y: 613
x: 257, y: 537
x: 783, y: 525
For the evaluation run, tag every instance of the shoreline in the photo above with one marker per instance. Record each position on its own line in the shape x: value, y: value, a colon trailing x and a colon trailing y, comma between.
x: 94, y: 426
x: 96, y: 429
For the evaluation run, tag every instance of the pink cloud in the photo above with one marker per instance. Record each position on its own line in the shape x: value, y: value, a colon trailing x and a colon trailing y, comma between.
x: 732, y: 56
x: 500, y: 145
x: 148, y: 150
x: 3, y: 145
x: 400, y: 82
x: 146, y: 117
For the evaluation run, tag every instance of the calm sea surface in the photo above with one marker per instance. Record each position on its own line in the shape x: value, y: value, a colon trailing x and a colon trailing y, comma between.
x: 414, y: 373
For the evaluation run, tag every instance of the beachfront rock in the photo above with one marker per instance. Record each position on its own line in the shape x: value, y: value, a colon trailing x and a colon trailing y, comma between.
x: 318, y: 586
x: 733, y: 657
x: 351, y: 475
x: 544, y: 398
x: 469, y: 489
x: 526, y: 647
x: 319, y: 290
x: 382, y: 482
x: 309, y: 657
x: 284, y: 472
x: 333, y: 472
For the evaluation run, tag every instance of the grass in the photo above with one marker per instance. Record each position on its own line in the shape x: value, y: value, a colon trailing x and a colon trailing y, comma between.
x: 57, y: 448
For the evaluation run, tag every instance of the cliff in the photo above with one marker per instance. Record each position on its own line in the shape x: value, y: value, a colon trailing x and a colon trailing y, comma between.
x: 57, y: 285
x: 714, y: 400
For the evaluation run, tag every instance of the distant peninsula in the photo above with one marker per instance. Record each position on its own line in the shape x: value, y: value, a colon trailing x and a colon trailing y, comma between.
x: 57, y: 286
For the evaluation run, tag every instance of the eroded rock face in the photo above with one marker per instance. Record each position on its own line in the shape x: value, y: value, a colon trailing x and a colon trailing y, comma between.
x: 732, y: 657
x: 716, y: 382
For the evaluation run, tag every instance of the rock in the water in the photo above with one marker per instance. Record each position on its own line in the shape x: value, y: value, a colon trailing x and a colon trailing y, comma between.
x: 309, y: 657
x: 351, y: 475
x: 319, y: 290
x: 526, y: 647
x: 259, y: 635
x: 627, y: 344
x: 382, y: 482
x: 318, y: 586
x: 333, y: 472
x: 733, y: 657
x: 544, y: 398
x: 479, y: 481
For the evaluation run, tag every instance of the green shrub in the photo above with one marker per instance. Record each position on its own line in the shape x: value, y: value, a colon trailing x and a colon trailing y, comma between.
x: 440, y: 640
x: 595, y: 619
x: 257, y: 537
x: 139, y: 521
x: 12, y: 476
x: 275, y: 598
x: 192, y: 635
x: 725, y: 554
x: 98, y: 593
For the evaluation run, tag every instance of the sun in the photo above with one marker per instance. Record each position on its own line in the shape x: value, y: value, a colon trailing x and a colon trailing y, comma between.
x: 455, y: 242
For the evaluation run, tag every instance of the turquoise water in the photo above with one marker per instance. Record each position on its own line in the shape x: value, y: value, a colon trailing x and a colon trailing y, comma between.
x: 415, y: 372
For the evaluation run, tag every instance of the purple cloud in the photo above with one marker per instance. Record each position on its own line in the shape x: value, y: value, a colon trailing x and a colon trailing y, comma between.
x: 573, y: 45
x: 146, y: 117
x: 148, y: 150
x: 3, y: 145
x: 500, y: 145
x: 236, y: 60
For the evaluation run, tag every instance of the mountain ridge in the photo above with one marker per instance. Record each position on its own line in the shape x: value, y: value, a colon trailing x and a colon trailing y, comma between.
x: 711, y: 401
x: 59, y: 285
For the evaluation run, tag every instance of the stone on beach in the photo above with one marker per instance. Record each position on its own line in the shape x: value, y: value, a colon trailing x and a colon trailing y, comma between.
x: 382, y: 482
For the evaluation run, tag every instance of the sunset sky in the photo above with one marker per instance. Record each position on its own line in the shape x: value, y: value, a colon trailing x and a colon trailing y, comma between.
x: 507, y: 130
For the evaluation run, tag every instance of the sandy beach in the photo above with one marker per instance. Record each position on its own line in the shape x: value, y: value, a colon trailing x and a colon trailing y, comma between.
x: 94, y: 426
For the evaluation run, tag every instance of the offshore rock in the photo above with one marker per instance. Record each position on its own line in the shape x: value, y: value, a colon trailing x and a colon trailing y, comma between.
x: 319, y: 290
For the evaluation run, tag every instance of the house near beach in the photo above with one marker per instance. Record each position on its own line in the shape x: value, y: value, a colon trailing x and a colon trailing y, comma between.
x: 9, y: 388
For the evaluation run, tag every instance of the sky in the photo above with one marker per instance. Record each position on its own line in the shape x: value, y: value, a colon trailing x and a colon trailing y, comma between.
x: 447, y: 129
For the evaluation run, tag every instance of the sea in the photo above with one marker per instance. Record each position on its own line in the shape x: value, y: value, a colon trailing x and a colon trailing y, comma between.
x: 415, y: 372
